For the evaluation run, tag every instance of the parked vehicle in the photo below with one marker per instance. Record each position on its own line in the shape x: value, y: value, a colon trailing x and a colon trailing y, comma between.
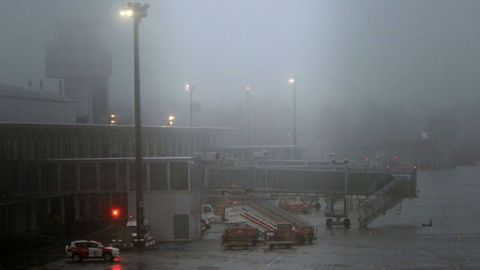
x: 126, y: 236
x: 239, y: 235
x: 304, y: 234
x: 209, y: 215
x: 316, y: 204
x: 83, y: 249
x: 284, y: 236
x: 294, y: 205
x: 204, y: 224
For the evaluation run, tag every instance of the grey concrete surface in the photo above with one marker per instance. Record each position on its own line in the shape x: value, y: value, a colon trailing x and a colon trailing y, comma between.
x: 394, y: 241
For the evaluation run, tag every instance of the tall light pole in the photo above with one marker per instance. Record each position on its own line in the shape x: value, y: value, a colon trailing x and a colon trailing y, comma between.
x: 189, y: 88
x: 137, y: 12
x: 248, y: 90
x: 292, y: 82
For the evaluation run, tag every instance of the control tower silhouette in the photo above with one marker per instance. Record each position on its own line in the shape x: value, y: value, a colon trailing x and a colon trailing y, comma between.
x: 77, y: 56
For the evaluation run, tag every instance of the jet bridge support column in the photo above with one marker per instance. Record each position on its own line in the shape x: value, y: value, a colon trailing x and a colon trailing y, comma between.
x: 341, y: 219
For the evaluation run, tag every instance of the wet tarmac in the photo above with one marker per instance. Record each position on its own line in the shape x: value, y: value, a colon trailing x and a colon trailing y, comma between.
x: 450, y: 198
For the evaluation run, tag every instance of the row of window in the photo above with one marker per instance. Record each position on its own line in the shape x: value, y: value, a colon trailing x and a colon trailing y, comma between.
x: 286, y: 153
x: 98, y: 148
x: 360, y: 183
x: 52, y: 176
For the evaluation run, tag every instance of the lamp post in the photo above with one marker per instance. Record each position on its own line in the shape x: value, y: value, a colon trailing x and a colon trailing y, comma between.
x: 292, y: 82
x: 248, y: 90
x: 189, y: 88
x: 113, y: 119
x: 137, y: 12
x: 171, y: 120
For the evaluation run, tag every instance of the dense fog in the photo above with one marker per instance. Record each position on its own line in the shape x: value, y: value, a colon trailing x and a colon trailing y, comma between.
x: 367, y: 72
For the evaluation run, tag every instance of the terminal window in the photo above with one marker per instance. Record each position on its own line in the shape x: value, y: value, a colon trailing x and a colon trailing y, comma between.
x: 158, y: 176
x: 179, y: 175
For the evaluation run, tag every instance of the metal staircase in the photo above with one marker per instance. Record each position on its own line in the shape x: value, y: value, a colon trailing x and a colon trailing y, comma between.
x: 280, y: 215
x: 254, y: 218
x: 403, y: 187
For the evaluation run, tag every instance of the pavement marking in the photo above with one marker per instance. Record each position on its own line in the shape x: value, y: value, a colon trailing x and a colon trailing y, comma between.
x: 274, y: 262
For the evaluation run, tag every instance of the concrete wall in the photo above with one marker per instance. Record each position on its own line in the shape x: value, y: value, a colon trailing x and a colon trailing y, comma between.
x: 160, y: 208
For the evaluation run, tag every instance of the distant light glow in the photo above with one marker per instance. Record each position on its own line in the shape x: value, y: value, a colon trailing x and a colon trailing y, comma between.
x: 113, y: 119
x: 291, y: 81
x: 126, y: 12
x: 115, y: 212
x: 248, y: 88
x: 171, y: 120
x: 187, y: 87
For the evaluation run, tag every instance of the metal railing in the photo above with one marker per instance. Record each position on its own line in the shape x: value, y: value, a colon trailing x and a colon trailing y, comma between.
x: 403, y: 187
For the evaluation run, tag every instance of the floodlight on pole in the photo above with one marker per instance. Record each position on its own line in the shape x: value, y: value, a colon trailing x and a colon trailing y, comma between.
x: 113, y: 119
x: 189, y: 88
x: 248, y: 90
x: 137, y: 12
x: 126, y: 12
x: 292, y: 82
x: 171, y: 120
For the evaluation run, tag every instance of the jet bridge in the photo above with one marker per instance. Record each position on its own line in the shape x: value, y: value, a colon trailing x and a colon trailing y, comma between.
x: 383, y: 189
x: 295, y: 180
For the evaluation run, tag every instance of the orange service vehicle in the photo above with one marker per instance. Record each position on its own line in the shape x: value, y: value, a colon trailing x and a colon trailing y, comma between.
x: 284, y: 236
x: 305, y: 234
x: 239, y: 235
x: 294, y: 205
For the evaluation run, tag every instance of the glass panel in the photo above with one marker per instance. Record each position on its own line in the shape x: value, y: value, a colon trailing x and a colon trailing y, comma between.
x: 88, y: 176
x: 133, y: 182
x: 49, y: 176
x: 179, y: 175
x: 158, y: 176
x: 31, y: 176
x: 108, y: 175
x: 68, y: 176
x: 122, y: 176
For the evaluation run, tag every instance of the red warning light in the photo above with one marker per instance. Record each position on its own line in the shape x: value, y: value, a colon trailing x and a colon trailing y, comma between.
x: 115, y: 212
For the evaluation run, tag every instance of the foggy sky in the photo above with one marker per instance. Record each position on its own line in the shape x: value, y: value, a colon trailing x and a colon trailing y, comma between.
x: 418, y: 54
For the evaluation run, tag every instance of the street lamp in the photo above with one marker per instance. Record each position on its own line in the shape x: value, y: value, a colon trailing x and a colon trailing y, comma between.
x: 137, y: 12
x: 248, y: 90
x: 189, y: 88
x: 113, y: 119
x: 292, y: 82
x: 171, y: 120
x: 126, y: 12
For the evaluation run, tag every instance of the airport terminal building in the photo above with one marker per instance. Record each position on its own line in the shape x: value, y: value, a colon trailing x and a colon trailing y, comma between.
x: 60, y: 173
